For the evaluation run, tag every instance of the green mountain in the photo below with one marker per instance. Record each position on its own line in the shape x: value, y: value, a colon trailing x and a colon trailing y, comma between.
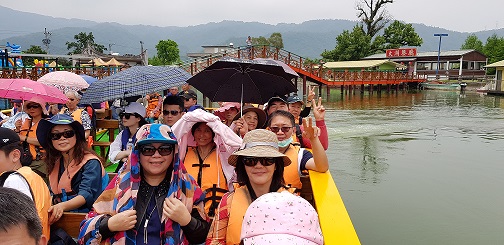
x: 307, y: 39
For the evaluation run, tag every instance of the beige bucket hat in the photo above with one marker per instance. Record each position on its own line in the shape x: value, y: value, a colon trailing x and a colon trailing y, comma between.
x: 259, y: 143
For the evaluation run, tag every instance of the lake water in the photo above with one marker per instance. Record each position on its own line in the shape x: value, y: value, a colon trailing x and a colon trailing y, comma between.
x: 421, y: 167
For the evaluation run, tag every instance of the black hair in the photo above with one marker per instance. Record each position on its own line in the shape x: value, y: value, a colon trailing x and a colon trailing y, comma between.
x: 174, y: 100
x: 276, y: 182
x: 196, y: 125
x: 283, y: 114
x: 80, y: 149
x: 17, y: 209
x: 25, y: 159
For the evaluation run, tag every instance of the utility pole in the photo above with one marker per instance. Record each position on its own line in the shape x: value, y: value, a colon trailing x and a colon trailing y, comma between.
x: 46, y: 41
x: 142, y: 54
x: 440, y: 35
x: 110, y: 47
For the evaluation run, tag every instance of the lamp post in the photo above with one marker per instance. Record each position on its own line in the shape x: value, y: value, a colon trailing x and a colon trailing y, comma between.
x: 440, y: 35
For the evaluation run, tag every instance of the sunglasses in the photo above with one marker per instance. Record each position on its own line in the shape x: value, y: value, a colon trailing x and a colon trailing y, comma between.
x: 71, y: 99
x: 127, y: 115
x: 32, y: 106
x: 67, y: 134
x: 265, y: 161
x: 149, y: 150
x: 174, y: 113
x: 276, y: 129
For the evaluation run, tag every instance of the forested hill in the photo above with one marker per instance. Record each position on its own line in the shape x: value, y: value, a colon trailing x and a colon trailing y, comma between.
x: 307, y: 39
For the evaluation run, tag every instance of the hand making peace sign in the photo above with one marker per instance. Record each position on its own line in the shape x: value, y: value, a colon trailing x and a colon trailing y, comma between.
x: 318, y: 110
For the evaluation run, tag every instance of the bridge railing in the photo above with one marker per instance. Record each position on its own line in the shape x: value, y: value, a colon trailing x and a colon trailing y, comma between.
x: 301, y: 65
x: 35, y: 73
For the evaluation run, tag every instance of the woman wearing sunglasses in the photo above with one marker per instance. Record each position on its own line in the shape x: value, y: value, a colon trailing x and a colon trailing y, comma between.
x: 132, y: 119
x: 35, y: 108
x: 282, y: 124
x: 259, y: 170
x: 153, y: 201
x: 76, y: 175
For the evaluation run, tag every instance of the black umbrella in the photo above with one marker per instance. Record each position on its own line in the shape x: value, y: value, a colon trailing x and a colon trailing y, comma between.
x: 239, y: 80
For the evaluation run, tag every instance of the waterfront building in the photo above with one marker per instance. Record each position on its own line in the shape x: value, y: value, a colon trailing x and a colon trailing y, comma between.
x: 453, y: 65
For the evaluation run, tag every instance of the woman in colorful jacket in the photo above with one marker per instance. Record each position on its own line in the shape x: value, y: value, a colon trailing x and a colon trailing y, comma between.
x: 152, y: 200
x: 259, y: 170
x: 76, y: 174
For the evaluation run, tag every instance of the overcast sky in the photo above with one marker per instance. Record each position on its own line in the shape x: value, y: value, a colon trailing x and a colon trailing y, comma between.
x: 457, y: 15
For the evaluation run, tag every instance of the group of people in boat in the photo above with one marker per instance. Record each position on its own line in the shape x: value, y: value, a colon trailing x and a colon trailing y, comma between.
x: 192, y: 179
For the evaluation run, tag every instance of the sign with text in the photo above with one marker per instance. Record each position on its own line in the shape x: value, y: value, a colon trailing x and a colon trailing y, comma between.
x: 401, y: 52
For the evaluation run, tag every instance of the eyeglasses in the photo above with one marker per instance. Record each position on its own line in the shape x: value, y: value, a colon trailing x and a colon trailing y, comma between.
x: 276, y: 129
x: 265, y: 161
x: 67, y: 134
x: 174, y: 113
x: 32, y: 106
x: 186, y: 99
x: 127, y: 115
x: 149, y: 150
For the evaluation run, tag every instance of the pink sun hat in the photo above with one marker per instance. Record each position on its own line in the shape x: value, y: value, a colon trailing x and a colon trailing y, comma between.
x: 226, y: 106
x: 281, y: 218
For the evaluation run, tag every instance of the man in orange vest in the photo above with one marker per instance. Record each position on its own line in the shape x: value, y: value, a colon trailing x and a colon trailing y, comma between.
x: 15, y: 173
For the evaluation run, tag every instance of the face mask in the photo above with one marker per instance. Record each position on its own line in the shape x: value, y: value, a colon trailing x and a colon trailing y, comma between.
x: 285, y: 143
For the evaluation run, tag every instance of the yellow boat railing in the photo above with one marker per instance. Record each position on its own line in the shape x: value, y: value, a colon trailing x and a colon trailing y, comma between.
x: 335, y: 222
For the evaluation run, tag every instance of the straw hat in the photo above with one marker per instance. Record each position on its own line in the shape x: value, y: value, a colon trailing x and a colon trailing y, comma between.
x: 259, y: 143
x: 261, y: 115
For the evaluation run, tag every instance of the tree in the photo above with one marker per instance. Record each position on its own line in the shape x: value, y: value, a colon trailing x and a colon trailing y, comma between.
x: 29, y: 61
x: 350, y: 45
x: 167, y: 53
x: 260, y: 41
x: 276, y: 41
x: 84, y: 44
x: 473, y: 42
x: 399, y: 34
x: 494, y: 50
x: 373, y: 15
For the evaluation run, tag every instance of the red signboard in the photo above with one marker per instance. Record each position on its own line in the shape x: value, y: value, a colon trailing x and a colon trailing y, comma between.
x: 401, y: 52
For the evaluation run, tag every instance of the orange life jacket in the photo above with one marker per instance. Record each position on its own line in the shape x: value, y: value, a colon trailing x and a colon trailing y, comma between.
x: 27, y: 128
x: 152, y: 104
x: 40, y: 194
x: 213, y: 181
x: 76, y: 115
x: 291, y: 172
x: 240, y: 202
x: 62, y: 187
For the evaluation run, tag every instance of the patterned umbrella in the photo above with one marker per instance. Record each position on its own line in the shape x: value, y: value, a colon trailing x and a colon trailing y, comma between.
x: 64, y: 81
x: 26, y: 89
x: 137, y: 80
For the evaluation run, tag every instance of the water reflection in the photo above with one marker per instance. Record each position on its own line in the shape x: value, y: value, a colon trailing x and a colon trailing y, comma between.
x: 371, y: 165
x: 408, y: 161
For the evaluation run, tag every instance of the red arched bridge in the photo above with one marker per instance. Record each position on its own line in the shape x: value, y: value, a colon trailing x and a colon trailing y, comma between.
x: 307, y: 70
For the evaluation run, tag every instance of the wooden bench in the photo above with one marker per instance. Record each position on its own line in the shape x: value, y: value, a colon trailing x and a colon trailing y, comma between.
x: 70, y: 222
x: 105, y: 115
x: 110, y: 126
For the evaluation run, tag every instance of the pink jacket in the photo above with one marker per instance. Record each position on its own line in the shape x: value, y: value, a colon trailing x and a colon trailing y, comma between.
x: 225, y: 139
